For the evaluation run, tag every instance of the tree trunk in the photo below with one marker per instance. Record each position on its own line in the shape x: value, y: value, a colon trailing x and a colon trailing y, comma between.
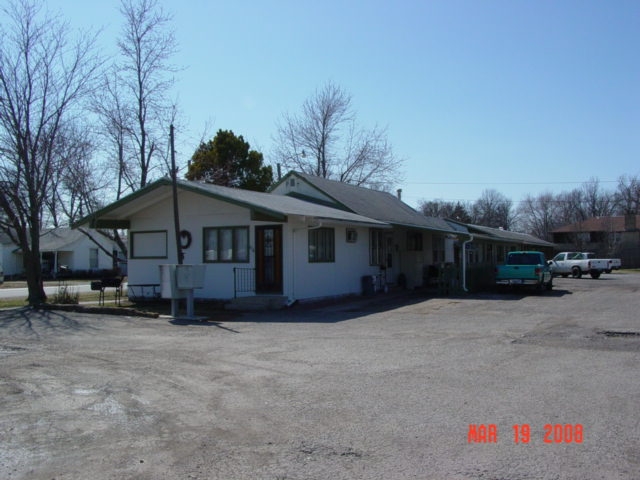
x: 33, y: 270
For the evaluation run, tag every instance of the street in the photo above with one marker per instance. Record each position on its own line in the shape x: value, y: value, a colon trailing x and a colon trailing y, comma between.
x: 49, y: 290
x: 404, y: 386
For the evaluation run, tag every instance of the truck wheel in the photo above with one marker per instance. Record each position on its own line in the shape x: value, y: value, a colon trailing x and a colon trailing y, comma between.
x: 595, y: 274
x: 576, y: 272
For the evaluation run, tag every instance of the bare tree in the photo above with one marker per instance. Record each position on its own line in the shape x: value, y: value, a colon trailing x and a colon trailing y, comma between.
x: 116, y: 119
x: 627, y: 197
x: 325, y: 140
x: 147, y: 44
x: 75, y: 182
x: 539, y: 215
x: 43, y: 78
x: 596, y: 201
x: 493, y: 209
x: 133, y: 103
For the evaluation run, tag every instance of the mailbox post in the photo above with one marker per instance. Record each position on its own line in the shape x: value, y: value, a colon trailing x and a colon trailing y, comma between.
x: 179, y: 281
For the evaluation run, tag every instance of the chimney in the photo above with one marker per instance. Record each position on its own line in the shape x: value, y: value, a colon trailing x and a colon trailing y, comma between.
x: 399, y: 194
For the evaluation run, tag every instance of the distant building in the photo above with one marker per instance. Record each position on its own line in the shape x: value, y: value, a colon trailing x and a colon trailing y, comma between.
x: 64, y: 250
x: 615, y: 237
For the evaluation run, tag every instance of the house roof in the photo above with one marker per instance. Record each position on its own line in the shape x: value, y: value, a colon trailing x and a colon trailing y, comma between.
x: 371, y: 203
x: 55, y: 239
x: 497, y: 234
x: 597, y: 224
x: 262, y: 205
x: 58, y: 239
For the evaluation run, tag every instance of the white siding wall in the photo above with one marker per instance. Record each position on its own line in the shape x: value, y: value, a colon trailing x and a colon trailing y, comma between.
x: 196, y: 213
x: 342, y: 277
x: 79, y: 257
x: 301, y: 188
x: 11, y: 263
x: 301, y: 279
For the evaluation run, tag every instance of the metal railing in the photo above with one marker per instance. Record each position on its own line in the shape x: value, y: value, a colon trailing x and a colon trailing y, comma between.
x: 244, y: 280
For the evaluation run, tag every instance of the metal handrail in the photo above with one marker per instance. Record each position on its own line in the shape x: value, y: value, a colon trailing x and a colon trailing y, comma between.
x: 244, y: 280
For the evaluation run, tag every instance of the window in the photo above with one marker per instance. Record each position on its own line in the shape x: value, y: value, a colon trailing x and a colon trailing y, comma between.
x: 376, y: 247
x: 414, y: 241
x: 322, y: 245
x: 93, y: 258
x: 438, y: 249
x: 149, y: 244
x: 226, y: 244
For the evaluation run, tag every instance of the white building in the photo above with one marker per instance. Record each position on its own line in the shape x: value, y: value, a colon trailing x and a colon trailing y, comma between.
x: 62, y: 247
x: 308, y: 238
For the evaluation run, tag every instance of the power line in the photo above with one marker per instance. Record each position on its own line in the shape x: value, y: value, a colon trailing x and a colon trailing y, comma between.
x: 506, y: 183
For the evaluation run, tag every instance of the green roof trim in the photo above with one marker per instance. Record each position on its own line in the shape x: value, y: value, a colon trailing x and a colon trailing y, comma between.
x: 263, y: 206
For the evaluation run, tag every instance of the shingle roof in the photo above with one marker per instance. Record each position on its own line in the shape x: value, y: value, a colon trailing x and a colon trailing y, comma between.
x: 57, y: 239
x: 502, y: 235
x: 279, y: 203
x: 373, y: 203
x: 54, y: 239
x: 266, y: 203
x: 597, y: 224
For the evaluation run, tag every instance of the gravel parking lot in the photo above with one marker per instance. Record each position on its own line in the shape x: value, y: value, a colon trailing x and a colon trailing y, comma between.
x: 399, y: 386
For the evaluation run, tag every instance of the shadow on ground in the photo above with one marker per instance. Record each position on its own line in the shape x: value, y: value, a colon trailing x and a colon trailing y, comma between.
x: 27, y: 321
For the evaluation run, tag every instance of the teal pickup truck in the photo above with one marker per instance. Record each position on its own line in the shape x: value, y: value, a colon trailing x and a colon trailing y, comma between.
x: 525, y: 269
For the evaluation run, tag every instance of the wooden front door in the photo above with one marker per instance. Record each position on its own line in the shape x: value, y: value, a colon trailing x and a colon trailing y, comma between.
x: 269, y: 259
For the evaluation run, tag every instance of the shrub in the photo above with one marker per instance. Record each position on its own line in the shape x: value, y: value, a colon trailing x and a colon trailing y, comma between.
x: 66, y: 295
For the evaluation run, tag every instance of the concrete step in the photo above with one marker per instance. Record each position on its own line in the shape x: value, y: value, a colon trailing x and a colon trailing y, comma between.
x: 258, y: 302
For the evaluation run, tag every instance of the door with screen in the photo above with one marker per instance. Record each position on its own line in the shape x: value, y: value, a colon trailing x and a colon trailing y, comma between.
x: 269, y: 259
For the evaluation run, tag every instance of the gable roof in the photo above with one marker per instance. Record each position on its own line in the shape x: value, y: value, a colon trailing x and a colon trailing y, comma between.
x: 273, y: 207
x: 370, y: 203
x: 59, y: 239
x: 597, y: 224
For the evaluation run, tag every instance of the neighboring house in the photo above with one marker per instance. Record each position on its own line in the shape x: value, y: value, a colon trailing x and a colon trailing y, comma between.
x: 61, y: 247
x: 615, y: 236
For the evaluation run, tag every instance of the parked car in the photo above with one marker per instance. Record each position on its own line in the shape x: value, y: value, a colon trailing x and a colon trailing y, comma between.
x: 525, y: 268
x: 614, y: 264
x: 578, y: 263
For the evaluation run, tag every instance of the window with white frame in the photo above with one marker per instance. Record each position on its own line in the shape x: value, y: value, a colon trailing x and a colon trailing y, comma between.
x: 93, y: 258
x: 226, y: 244
x: 438, y: 249
x: 376, y: 247
x: 414, y: 241
x: 322, y: 246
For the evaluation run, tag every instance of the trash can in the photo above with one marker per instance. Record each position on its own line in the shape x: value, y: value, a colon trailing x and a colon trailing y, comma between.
x: 368, y: 287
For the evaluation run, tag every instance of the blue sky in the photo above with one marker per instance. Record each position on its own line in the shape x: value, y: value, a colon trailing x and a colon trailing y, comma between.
x: 519, y: 96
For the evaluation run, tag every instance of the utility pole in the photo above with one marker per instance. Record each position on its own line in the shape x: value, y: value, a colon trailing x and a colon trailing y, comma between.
x: 174, y: 182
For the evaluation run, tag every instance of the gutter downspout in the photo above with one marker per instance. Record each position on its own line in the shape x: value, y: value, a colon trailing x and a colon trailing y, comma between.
x: 464, y: 263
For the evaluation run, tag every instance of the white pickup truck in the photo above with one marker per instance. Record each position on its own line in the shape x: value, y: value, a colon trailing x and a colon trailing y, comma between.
x: 614, y: 264
x: 577, y: 263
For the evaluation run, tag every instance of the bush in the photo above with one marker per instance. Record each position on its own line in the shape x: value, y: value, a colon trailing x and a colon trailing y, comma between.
x: 66, y: 295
